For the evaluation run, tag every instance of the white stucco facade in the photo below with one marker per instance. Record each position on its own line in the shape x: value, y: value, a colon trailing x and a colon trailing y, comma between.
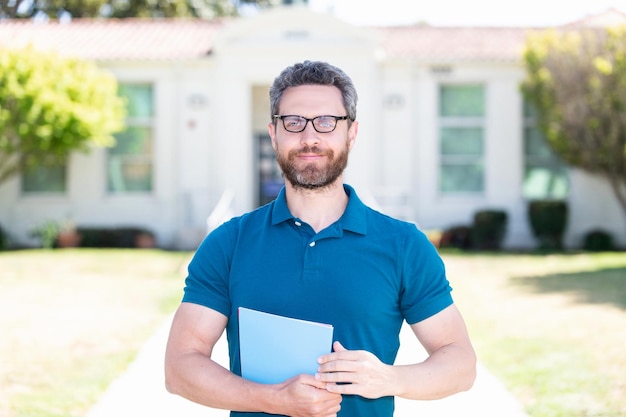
x: 208, y: 112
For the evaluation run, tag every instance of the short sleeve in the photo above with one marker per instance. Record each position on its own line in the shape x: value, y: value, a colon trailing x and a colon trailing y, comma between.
x: 426, y: 290
x: 207, y: 278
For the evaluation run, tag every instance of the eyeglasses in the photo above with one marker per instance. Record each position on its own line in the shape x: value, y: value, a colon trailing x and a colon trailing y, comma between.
x: 321, y: 124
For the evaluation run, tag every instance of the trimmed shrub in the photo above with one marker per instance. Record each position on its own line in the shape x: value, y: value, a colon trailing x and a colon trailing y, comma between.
x: 598, y: 241
x: 488, y: 229
x: 548, y: 220
x: 459, y: 237
x: 121, y: 237
x: 4, y: 239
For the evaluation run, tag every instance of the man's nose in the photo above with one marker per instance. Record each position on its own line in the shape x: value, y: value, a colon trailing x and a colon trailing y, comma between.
x: 309, y: 134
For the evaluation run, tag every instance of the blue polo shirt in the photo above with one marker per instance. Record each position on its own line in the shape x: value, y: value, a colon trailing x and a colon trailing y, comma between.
x: 364, y: 274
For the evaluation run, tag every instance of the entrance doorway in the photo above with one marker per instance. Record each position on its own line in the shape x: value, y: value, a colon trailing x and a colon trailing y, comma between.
x: 269, y: 174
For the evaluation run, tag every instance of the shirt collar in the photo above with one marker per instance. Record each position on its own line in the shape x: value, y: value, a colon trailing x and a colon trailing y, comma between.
x: 353, y: 219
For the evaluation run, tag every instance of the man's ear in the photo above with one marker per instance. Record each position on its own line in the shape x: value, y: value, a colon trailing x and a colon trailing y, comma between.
x: 352, y: 133
x: 271, y: 129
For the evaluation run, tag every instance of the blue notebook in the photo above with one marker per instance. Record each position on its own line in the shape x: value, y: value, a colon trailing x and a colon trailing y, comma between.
x: 275, y: 348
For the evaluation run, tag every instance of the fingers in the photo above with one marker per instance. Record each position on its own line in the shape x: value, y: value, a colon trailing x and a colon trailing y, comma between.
x: 354, y: 372
x: 340, y: 366
x: 343, y: 377
x: 343, y: 359
x: 309, y: 397
x: 312, y: 381
x: 339, y: 353
x: 338, y: 347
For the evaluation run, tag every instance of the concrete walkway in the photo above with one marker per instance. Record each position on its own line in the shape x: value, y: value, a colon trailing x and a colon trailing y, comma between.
x: 140, y: 391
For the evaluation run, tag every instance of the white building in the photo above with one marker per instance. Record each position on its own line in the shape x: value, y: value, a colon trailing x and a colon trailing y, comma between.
x: 442, y: 126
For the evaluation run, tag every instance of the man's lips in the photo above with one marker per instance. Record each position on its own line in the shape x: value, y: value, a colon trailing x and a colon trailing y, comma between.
x: 310, y: 155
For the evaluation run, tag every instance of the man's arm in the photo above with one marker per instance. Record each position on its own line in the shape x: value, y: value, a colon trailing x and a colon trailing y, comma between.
x: 191, y: 373
x: 449, y: 368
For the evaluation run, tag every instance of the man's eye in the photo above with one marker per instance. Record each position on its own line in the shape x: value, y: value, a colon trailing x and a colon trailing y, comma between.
x: 293, y: 122
x: 325, y: 122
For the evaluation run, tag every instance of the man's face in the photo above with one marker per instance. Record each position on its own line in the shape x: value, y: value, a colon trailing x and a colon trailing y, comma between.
x: 310, y: 159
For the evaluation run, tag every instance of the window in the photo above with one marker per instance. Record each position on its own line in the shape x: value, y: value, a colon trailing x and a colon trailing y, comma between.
x: 461, y: 138
x: 130, y: 161
x: 45, y: 179
x: 545, y: 175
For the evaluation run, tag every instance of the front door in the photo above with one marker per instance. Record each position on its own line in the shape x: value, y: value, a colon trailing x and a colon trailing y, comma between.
x: 270, y: 176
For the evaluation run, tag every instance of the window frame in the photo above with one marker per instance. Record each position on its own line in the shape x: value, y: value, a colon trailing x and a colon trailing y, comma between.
x: 461, y: 122
x: 44, y: 170
x: 147, y: 122
x: 550, y: 162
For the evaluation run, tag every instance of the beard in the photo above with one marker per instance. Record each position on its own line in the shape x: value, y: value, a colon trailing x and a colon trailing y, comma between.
x: 312, y: 177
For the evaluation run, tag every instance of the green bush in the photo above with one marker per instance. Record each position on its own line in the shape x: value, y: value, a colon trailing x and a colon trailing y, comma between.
x: 459, y: 237
x: 47, y: 233
x: 488, y: 229
x: 598, y: 241
x: 548, y: 221
x: 4, y: 239
x: 109, y: 237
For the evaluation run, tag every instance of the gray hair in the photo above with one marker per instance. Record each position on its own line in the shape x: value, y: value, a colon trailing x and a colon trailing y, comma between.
x: 314, y: 73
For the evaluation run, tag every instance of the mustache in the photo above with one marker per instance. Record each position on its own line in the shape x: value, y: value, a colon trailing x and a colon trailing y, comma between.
x: 309, y: 150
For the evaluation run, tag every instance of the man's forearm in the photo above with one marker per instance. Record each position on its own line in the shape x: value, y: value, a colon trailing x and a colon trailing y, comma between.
x: 449, y: 370
x: 203, y: 381
x: 206, y: 382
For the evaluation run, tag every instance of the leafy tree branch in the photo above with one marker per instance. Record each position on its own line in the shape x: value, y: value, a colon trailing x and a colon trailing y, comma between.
x: 576, y: 80
x: 52, y: 106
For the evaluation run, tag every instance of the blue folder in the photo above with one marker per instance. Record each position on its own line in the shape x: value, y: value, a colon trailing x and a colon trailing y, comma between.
x: 275, y: 348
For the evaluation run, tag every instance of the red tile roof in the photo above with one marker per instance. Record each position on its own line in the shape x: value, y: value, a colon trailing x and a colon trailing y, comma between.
x: 609, y: 18
x: 427, y: 43
x: 110, y: 39
x: 169, y: 39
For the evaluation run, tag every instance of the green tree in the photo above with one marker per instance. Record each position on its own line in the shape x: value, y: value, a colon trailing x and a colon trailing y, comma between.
x: 52, y: 106
x: 206, y: 9
x: 576, y: 80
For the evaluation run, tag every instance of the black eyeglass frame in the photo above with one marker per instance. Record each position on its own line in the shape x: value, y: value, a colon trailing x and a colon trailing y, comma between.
x: 283, y: 116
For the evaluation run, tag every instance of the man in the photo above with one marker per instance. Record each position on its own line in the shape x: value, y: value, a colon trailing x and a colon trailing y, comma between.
x: 317, y: 253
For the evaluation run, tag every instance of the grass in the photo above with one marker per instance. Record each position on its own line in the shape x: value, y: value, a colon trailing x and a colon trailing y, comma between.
x: 551, y: 327
x: 72, y: 321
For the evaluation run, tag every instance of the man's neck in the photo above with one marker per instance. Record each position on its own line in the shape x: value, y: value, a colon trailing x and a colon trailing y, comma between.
x: 319, y: 208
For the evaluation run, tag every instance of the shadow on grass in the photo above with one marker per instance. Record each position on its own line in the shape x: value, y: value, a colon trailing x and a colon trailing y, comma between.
x: 605, y: 286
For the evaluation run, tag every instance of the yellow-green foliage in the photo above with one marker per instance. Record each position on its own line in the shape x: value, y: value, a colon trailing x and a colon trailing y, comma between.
x: 576, y: 82
x: 51, y: 106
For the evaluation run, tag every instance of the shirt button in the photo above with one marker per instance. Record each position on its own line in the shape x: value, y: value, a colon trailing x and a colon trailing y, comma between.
x: 312, y: 244
x: 298, y: 223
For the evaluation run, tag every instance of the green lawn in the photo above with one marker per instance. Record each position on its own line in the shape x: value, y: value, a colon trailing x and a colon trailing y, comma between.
x: 552, y: 327
x: 72, y: 320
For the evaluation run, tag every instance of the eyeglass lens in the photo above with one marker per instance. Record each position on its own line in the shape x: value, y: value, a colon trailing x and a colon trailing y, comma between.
x: 322, y: 124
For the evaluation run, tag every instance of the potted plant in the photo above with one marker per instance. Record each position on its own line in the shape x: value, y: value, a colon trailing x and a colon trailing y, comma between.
x: 54, y: 234
x: 68, y: 236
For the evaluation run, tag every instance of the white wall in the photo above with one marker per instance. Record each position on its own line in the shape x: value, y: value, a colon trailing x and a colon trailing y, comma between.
x: 503, y: 165
x: 593, y: 205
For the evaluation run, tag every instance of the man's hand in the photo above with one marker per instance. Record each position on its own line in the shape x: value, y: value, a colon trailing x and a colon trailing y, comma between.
x: 305, y: 396
x: 449, y: 368
x: 355, y: 372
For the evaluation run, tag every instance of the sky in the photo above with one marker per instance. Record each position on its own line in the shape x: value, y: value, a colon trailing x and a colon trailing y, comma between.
x: 465, y: 12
